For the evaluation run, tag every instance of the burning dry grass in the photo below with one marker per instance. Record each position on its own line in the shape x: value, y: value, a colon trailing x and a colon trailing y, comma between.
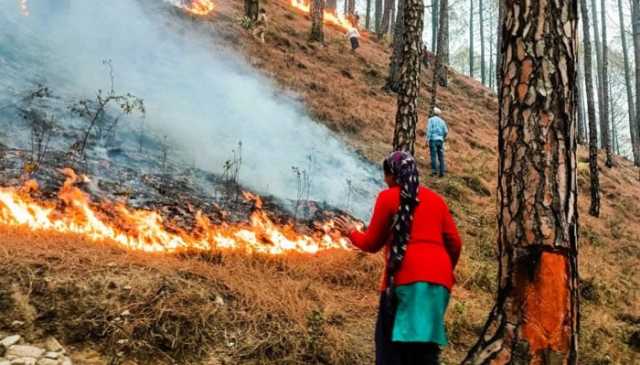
x: 245, y: 309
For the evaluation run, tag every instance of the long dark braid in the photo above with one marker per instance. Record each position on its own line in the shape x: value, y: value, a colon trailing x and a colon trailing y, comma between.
x: 402, y: 166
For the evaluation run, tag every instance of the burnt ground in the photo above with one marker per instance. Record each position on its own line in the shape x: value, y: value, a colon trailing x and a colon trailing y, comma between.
x: 297, y: 309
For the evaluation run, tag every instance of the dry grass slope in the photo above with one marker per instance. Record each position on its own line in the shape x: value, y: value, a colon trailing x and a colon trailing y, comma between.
x: 316, y: 310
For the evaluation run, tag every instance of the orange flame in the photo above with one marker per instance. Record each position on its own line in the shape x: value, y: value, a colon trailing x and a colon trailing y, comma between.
x: 24, y: 7
x: 329, y: 17
x: 199, y: 7
x: 147, y: 231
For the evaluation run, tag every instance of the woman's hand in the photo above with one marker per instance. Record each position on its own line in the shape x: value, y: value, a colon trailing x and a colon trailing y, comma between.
x: 344, y: 226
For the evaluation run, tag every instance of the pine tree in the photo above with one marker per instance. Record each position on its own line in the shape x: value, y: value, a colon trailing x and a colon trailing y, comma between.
x: 471, y: 36
x: 605, y: 121
x: 594, y: 210
x: 535, y: 318
x: 442, y: 57
x: 636, y: 46
x: 483, y: 72
x: 635, y: 142
x: 435, y: 20
x: 411, y: 60
x: 251, y: 9
x: 393, y: 81
x: 317, y: 20
x: 378, y: 16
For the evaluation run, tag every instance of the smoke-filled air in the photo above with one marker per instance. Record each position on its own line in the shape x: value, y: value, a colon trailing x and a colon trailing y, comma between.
x: 204, y: 98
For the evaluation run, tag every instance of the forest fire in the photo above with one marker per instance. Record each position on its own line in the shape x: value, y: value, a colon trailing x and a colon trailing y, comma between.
x: 329, y: 17
x: 146, y: 230
x: 199, y: 7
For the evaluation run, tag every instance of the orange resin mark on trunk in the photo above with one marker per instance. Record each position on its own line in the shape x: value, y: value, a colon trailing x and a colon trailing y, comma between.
x: 546, y: 305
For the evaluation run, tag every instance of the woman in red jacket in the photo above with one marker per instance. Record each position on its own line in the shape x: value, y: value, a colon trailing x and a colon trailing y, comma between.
x: 422, y: 247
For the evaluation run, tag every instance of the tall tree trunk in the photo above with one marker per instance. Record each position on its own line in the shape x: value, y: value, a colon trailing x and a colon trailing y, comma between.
x: 635, y: 142
x: 437, y: 69
x: 594, y: 210
x: 471, y: 38
x: 443, y: 44
x: 535, y: 319
x: 251, y: 9
x: 499, y: 45
x: 404, y: 136
x: 378, y: 16
x: 435, y: 20
x: 386, y: 18
x: 582, y: 125
x: 393, y: 81
x: 605, y: 122
x: 636, y: 46
x: 351, y: 7
x: 596, y: 35
x: 367, y: 22
x: 317, y: 20
x: 483, y: 72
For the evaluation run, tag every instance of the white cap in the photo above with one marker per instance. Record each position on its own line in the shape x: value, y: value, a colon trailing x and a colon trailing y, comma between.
x: 437, y: 111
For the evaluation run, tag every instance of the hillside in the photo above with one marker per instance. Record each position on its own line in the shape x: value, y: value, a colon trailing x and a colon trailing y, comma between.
x: 109, y: 305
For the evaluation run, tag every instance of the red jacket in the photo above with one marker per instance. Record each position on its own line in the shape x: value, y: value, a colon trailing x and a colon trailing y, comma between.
x: 434, y: 247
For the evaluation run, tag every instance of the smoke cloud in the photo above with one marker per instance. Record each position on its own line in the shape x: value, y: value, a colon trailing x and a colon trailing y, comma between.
x: 203, y: 97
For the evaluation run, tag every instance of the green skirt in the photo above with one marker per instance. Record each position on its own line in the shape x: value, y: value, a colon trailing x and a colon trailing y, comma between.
x: 420, y: 313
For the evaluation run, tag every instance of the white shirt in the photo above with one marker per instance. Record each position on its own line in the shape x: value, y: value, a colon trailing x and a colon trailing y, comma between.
x: 353, y: 33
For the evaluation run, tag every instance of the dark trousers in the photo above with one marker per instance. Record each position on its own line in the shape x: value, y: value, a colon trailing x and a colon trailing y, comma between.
x: 436, y: 148
x: 400, y: 353
x: 354, y: 43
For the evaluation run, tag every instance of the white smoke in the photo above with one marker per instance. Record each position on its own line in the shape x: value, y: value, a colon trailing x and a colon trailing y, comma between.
x: 205, y: 98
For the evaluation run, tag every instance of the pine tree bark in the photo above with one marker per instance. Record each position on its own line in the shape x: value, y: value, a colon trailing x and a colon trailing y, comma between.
x: 599, y: 85
x: 582, y: 125
x: 443, y: 44
x: 499, y: 49
x: 483, y: 72
x: 435, y: 20
x: 393, y: 81
x: 386, y: 18
x: 605, y: 122
x: 535, y: 319
x: 317, y: 21
x: 404, y: 136
x: 636, y: 46
x: 594, y: 210
x: 471, y: 36
x: 251, y: 9
x: 378, y: 16
x: 367, y: 21
x: 635, y: 142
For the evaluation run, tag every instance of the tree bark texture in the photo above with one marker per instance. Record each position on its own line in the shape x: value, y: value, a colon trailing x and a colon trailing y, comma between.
x: 599, y: 85
x: 443, y: 44
x: 367, y: 21
x: 594, y: 210
x: 386, y: 18
x: 605, y: 121
x: 499, y: 48
x: 378, y: 16
x: 535, y: 319
x: 251, y: 9
x: 435, y: 20
x: 393, y: 81
x: 471, y: 36
x: 636, y: 46
x: 317, y: 20
x: 633, y: 128
x: 404, y: 136
x: 582, y: 125
x: 483, y: 72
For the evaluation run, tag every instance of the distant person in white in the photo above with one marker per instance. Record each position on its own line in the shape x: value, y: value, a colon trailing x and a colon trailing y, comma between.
x: 353, y: 35
x: 437, y: 132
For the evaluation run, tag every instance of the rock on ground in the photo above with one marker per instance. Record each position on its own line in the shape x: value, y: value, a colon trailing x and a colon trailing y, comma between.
x: 14, y: 351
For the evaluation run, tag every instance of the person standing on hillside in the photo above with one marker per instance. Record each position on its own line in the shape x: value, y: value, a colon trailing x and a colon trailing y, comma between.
x: 353, y: 35
x: 437, y: 132
x: 261, y: 25
x: 422, y: 247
